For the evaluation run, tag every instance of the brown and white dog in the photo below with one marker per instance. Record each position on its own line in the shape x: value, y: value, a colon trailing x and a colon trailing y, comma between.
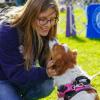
x: 72, y: 82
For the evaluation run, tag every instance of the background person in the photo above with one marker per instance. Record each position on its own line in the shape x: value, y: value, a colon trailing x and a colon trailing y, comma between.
x: 20, y: 2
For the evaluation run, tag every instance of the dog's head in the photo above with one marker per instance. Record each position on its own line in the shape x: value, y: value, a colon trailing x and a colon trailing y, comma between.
x: 63, y: 57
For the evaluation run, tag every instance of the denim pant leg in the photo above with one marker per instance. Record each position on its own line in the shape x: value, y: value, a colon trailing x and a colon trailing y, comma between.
x: 40, y: 90
x: 8, y: 92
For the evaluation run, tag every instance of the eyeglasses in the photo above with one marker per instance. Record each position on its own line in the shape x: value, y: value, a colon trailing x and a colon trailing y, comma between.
x: 44, y: 21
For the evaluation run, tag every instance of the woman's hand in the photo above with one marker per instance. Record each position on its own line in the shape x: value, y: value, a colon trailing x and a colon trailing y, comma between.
x: 50, y: 71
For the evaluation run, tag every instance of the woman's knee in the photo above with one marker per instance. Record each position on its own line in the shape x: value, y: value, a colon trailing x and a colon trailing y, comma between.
x: 40, y: 90
x: 47, y: 87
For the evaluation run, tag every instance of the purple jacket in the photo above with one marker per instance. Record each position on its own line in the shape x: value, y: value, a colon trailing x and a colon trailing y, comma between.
x: 11, y: 60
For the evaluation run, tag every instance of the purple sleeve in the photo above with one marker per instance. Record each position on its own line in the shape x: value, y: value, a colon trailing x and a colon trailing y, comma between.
x: 11, y: 60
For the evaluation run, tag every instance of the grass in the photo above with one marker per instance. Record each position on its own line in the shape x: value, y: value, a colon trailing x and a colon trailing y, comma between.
x: 88, y: 50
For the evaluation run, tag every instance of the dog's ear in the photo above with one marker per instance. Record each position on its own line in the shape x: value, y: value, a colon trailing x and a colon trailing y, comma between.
x: 59, y: 65
x: 63, y: 59
x: 70, y: 59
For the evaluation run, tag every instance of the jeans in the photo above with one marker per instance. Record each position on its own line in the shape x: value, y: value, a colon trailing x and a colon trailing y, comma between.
x: 8, y: 92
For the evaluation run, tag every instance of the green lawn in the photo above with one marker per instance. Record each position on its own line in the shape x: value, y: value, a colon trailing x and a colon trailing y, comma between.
x: 88, y: 52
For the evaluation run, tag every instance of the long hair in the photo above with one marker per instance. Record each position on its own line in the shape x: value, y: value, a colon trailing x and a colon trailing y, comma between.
x: 32, y: 42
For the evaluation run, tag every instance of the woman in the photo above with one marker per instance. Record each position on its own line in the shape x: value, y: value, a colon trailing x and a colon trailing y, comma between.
x: 24, y: 41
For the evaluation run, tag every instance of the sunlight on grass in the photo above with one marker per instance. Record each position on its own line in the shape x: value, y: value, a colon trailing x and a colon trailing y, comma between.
x: 80, y: 20
x: 62, y: 23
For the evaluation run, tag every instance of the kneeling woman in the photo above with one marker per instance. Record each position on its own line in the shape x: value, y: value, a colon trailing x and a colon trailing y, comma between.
x: 24, y: 40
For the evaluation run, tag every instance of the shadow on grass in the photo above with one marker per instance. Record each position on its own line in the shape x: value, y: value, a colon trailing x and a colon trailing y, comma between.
x: 83, y: 39
x: 77, y: 38
x: 95, y: 39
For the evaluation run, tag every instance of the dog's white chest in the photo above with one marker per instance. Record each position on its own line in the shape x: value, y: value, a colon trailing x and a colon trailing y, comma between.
x: 69, y: 76
x: 83, y: 95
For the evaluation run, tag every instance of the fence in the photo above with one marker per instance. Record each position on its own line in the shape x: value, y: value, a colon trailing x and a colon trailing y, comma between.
x: 71, y: 18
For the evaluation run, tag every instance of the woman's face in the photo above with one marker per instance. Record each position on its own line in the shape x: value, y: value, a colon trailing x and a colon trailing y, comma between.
x: 45, y: 21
